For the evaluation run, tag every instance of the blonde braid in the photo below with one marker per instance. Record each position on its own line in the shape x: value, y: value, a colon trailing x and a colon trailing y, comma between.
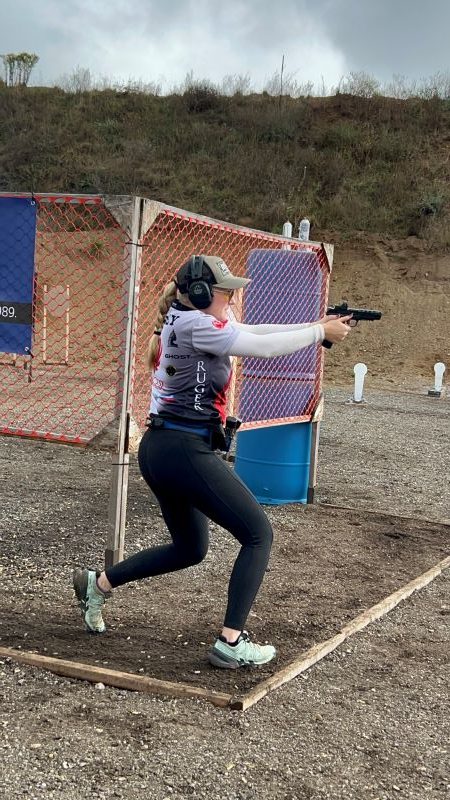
x: 165, y: 301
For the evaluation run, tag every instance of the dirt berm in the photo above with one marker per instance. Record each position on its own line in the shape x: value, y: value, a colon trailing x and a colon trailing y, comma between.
x: 410, y: 284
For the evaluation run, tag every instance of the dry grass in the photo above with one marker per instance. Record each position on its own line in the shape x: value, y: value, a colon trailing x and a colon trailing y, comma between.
x: 350, y: 163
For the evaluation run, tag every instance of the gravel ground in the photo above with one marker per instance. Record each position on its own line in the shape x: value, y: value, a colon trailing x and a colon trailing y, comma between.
x: 369, y: 722
x: 390, y: 454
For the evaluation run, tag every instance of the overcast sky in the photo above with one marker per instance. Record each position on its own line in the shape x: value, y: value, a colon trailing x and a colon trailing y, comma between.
x: 162, y: 40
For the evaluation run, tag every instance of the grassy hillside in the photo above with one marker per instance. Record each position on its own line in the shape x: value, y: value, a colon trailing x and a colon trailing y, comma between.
x: 349, y: 163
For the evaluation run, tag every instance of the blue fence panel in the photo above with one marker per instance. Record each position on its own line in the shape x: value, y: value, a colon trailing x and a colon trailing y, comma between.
x: 282, y: 386
x: 17, y: 265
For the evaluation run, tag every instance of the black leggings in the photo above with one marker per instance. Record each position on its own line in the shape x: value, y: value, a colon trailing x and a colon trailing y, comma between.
x: 192, y: 483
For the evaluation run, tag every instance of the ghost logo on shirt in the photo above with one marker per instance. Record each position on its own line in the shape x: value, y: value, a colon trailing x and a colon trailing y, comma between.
x: 170, y: 370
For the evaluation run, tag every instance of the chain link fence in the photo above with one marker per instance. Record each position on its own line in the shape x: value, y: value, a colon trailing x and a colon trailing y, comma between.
x: 80, y: 277
x: 68, y: 385
x: 288, y: 286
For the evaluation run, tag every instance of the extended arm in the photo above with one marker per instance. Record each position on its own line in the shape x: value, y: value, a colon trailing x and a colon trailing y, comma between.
x: 279, y: 343
x: 263, y: 329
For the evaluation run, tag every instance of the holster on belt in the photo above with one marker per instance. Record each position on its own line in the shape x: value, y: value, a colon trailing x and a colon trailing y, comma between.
x: 222, y: 436
x: 153, y: 421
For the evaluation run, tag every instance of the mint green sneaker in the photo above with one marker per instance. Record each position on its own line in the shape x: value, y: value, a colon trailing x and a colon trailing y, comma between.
x: 90, y: 599
x: 242, y: 654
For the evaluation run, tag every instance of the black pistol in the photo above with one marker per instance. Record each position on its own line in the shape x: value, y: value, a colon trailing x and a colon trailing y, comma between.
x: 343, y: 310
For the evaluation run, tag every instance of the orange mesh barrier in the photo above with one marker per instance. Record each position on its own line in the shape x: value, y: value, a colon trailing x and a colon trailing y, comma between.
x: 264, y: 391
x: 70, y: 388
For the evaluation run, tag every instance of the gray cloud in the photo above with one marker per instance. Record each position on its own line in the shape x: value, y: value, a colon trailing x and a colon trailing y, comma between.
x: 406, y: 37
x: 152, y: 41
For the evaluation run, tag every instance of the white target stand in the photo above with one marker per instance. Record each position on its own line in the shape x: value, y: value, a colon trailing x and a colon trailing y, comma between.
x: 26, y: 364
x: 360, y: 371
x: 437, y: 390
x: 287, y: 233
x: 56, y: 303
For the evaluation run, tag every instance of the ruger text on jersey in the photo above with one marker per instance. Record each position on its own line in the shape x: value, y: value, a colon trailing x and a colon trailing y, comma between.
x: 193, y: 370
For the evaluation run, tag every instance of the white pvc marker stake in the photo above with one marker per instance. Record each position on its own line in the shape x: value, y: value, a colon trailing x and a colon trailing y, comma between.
x: 287, y: 232
x: 360, y: 371
x: 303, y: 230
x: 439, y: 370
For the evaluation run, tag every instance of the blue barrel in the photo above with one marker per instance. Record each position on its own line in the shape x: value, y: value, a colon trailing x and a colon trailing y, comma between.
x: 274, y: 462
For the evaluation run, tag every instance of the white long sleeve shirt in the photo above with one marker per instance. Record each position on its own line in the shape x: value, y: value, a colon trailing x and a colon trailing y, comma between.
x: 193, y: 369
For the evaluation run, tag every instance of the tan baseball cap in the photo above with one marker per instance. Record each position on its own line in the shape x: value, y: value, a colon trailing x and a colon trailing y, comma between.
x: 222, y: 277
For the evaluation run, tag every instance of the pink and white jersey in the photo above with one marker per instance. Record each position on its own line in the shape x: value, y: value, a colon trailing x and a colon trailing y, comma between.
x: 193, y: 370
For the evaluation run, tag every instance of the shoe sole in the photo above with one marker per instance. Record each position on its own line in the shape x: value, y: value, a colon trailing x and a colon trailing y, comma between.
x: 217, y: 660
x: 80, y: 583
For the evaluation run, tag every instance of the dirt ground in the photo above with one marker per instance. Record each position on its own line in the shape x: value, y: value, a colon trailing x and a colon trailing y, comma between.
x: 410, y: 284
x: 364, y: 560
x: 369, y: 722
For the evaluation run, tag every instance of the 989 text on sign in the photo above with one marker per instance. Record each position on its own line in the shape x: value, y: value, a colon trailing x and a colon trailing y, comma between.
x: 19, y: 313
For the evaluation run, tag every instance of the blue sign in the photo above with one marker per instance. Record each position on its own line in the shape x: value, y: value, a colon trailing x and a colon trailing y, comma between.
x: 17, y: 242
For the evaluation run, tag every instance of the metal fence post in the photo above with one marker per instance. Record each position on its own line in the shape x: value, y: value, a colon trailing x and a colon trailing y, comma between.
x: 314, y: 458
x: 120, y: 460
x: 318, y: 414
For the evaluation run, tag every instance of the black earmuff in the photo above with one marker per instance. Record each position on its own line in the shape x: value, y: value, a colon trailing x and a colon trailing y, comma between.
x: 199, y: 287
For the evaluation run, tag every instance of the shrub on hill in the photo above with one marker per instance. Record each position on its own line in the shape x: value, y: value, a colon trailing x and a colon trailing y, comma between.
x: 349, y: 161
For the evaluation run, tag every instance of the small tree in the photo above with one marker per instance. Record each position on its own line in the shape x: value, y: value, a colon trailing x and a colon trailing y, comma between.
x: 287, y: 85
x: 80, y: 80
x: 236, y: 84
x: 199, y: 95
x: 359, y: 84
x: 18, y: 67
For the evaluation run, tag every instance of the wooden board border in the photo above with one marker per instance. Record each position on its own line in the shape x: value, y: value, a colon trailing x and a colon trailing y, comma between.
x: 143, y: 683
